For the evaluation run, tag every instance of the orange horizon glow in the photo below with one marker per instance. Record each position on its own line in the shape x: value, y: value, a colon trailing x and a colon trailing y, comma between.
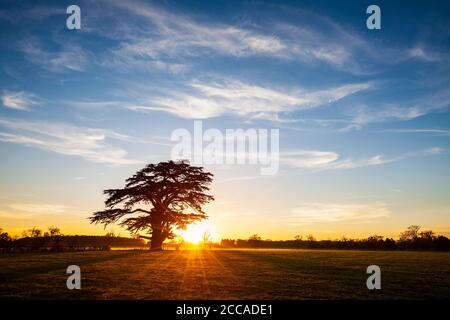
x: 194, y: 233
x: 224, y: 224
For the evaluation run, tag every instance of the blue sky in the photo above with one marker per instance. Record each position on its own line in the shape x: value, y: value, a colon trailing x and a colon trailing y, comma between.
x: 363, y: 114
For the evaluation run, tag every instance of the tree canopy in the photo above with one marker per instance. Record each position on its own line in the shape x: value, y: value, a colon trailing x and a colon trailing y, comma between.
x: 158, y: 199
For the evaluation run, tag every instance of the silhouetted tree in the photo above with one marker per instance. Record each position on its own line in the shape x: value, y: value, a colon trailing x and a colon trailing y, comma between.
x: 442, y: 243
x: 54, y: 231
x: 411, y: 233
x: 298, y: 239
x: 228, y: 243
x: 255, y: 237
x: 33, y: 233
x: 56, y: 237
x: 254, y: 241
x: 375, y: 242
x: 427, y: 234
x: 169, y: 189
x: 389, y: 243
x: 5, y: 239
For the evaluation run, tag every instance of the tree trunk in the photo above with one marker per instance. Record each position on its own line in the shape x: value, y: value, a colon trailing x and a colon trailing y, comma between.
x: 157, y: 240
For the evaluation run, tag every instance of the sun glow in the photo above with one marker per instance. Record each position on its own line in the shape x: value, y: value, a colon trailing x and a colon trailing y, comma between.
x: 196, y: 233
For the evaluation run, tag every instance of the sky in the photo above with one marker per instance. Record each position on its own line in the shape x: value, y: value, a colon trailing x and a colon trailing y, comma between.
x: 363, y: 115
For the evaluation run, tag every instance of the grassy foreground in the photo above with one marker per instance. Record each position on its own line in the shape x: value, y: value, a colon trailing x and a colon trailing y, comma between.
x: 226, y: 274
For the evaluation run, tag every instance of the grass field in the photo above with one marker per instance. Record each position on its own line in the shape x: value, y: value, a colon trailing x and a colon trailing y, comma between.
x: 226, y: 274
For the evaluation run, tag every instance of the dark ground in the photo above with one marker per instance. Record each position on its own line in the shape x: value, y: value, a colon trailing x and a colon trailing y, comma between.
x: 226, y: 274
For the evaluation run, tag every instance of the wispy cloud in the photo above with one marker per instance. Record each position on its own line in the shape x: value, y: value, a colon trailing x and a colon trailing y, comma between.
x: 67, y: 58
x: 88, y: 143
x: 440, y: 132
x: 423, y: 53
x: 308, y: 158
x: 170, y: 40
x: 18, y: 211
x: 380, y: 159
x: 38, y: 208
x: 336, y: 212
x: 206, y: 100
x: 155, y: 37
x: 174, y: 36
x: 19, y: 100
x: 325, y: 160
x: 403, y: 111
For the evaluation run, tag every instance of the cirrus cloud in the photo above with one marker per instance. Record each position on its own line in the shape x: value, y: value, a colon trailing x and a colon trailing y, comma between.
x: 18, y: 100
x: 203, y: 100
x: 337, y: 212
x: 325, y: 160
x: 88, y: 143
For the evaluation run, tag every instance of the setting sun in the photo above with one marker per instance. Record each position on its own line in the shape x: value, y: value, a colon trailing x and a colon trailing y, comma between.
x: 195, y: 233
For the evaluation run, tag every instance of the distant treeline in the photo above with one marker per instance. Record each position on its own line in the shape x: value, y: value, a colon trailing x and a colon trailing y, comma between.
x: 35, y: 240
x: 411, y: 239
x: 53, y: 240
